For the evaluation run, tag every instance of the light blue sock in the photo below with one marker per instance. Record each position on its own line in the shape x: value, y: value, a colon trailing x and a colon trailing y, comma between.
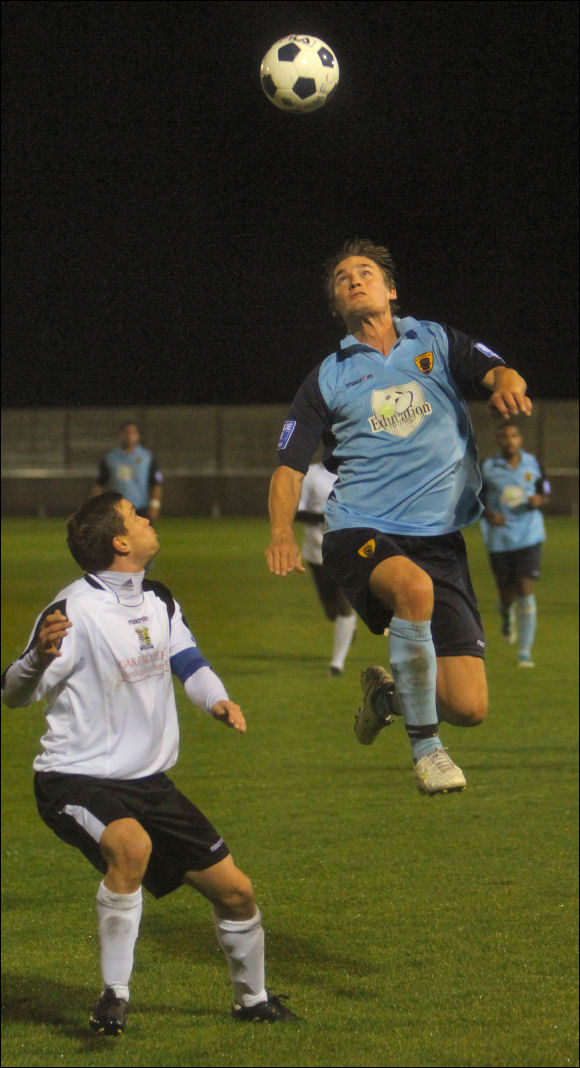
x: 526, y: 623
x: 414, y: 668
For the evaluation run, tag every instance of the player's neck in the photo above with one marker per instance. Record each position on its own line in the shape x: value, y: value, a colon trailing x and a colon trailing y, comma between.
x: 513, y: 460
x: 378, y: 331
x: 126, y: 565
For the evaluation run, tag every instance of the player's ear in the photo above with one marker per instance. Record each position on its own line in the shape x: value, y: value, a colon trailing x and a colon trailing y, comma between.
x: 121, y: 544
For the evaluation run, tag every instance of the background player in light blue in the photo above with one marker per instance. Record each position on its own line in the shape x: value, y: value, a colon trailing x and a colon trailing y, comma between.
x: 390, y: 404
x: 132, y: 470
x: 514, y: 490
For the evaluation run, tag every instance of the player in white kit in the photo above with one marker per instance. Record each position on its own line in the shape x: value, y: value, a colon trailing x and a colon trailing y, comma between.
x: 317, y: 485
x: 102, y: 655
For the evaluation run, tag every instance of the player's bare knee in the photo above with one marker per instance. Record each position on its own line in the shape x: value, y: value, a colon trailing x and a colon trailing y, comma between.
x: 126, y: 846
x: 236, y: 898
x: 472, y: 717
x: 469, y: 714
x: 414, y: 599
x: 478, y: 712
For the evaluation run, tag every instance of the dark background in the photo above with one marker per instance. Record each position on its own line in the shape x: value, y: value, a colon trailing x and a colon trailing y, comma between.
x: 164, y: 224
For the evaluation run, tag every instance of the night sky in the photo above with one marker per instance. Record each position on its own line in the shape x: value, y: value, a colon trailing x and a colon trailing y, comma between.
x: 165, y: 225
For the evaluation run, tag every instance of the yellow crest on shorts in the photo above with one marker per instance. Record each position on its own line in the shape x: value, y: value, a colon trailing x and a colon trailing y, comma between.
x: 367, y: 549
x: 425, y: 362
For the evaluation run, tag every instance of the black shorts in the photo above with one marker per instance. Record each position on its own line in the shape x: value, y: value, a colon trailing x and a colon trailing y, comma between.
x: 79, y: 807
x: 331, y: 597
x: 516, y: 563
x: 351, y: 556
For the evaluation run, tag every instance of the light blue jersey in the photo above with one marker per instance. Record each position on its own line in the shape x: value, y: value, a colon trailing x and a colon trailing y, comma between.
x: 507, y: 489
x: 400, y: 432
x: 132, y: 474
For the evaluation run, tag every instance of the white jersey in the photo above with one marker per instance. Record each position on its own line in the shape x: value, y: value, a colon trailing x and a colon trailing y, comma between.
x: 110, y: 705
x: 316, y: 486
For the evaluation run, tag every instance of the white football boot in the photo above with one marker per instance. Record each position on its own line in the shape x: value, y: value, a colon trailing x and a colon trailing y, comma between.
x: 437, y: 774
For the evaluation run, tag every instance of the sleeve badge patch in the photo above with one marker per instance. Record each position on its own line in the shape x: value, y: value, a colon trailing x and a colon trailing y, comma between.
x: 425, y: 362
x: 487, y: 352
x: 287, y: 431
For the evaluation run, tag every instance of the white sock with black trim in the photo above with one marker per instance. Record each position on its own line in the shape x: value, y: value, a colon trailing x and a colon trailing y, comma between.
x: 118, y: 916
x: 243, y: 944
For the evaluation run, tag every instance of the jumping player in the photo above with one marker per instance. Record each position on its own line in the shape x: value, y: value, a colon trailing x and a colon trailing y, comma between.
x: 102, y: 655
x: 391, y: 402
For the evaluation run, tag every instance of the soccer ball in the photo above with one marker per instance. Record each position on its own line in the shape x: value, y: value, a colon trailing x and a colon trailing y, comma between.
x: 299, y: 74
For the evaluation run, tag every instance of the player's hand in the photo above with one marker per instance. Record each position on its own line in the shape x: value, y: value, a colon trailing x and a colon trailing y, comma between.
x: 495, y: 519
x: 283, y: 556
x: 508, y: 402
x: 230, y: 715
x: 535, y: 501
x: 50, y: 636
x: 508, y: 392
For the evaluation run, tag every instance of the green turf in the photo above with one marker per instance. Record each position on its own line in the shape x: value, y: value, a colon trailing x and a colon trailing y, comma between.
x: 407, y: 930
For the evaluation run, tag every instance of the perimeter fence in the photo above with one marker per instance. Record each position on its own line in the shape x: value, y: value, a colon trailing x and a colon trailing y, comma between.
x: 216, y: 459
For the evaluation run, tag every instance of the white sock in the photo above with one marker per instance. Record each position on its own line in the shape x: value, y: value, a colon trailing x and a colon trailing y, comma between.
x: 344, y: 627
x: 243, y: 944
x: 526, y: 623
x: 119, y: 916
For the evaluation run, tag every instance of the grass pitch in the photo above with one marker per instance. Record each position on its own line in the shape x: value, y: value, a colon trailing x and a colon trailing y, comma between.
x: 407, y: 930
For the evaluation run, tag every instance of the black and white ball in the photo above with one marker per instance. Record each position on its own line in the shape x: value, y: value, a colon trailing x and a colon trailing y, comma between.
x: 299, y: 73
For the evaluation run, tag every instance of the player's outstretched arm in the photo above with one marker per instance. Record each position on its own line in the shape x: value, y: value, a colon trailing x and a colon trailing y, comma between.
x: 508, y: 392
x: 283, y: 554
x: 230, y: 715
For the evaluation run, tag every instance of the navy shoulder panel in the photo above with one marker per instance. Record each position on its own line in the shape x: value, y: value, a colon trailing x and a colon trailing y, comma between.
x: 92, y: 582
x: 343, y: 353
x: 56, y: 605
x: 163, y: 593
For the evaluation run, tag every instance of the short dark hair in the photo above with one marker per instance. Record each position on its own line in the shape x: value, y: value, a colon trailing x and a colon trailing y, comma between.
x: 358, y: 246
x: 90, y: 531
x: 129, y: 422
x: 510, y: 422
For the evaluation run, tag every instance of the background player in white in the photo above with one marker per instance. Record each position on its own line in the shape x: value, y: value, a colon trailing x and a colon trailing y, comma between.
x: 513, y: 493
x: 102, y: 655
x: 391, y: 399
x: 316, y: 486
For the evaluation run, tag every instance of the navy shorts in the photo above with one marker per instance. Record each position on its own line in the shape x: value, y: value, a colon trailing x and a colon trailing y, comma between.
x: 516, y: 563
x: 351, y: 556
x: 331, y: 597
x: 78, y: 808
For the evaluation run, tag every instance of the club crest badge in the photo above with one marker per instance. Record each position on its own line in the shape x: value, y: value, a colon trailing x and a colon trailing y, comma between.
x: 424, y: 362
x: 399, y: 410
x: 144, y: 638
x: 368, y: 549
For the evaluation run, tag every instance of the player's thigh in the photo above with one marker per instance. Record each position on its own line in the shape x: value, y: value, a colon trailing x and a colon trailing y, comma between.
x: 80, y: 809
x: 403, y: 587
x: 227, y: 887
x: 126, y: 845
x: 527, y: 569
x: 462, y: 694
